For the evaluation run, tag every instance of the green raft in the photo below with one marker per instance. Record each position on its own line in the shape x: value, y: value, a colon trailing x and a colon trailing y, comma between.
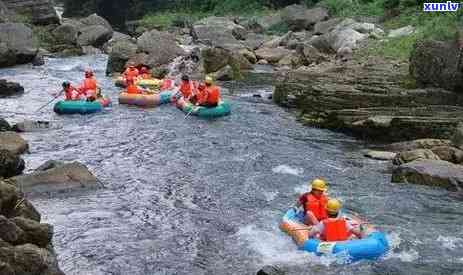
x: 69, y: 107
x: 223, y: 109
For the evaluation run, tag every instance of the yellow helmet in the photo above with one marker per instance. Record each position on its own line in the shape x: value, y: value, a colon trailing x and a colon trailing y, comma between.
x: 333, y: 206
x: 319, y: 184
x: 208, y: 80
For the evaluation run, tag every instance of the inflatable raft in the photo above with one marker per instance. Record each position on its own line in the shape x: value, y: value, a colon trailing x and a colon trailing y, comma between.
x: 371, y: 247
x: 69, y: 107
x: 144, y: 83
x: 223, y: 109
x: 145, y: 100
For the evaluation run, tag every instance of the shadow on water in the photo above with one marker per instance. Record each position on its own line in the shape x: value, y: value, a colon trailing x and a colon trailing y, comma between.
x: 205, y: 197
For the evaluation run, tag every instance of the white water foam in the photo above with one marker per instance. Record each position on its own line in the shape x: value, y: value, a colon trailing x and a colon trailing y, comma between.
x: 410, y: 255
x: 450, y: 242
x: 276, y: 248
x: 285, y: 169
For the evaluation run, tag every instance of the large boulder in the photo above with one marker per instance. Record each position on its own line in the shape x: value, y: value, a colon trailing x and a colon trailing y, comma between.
x: 66, y: 34
x: 10, y: 164
x: 18, y: 44
x: 96, y: 20
x: 345, y: 38
x: 117, y: 36
x: 94, y: 35
x: 41, y: 12
x: 219, y: 31
x: 430, y: 172
x: 418, y: 154
x: 278, y: 41
x: 272, y: 55
x: 379, y: 155
x: 298, y: 17
x: 327, y: 26
x: 215, y: 58
x: 5, y: 13
x: 34, y: 232
x: 10, y: 88
x: 437, y: 64
x: 161, y: 47
x: 13, y: 142
x: 457, y: 138
x: 404, y: 31
x: 121, y: 52
x: 270, y: 20
x: 68, y: 177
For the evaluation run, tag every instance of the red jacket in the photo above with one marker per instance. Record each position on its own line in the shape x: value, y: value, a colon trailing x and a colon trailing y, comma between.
x: 213, y: 95
x: 335, y: 230
x: 315, y: 205
x: 131, y: 74
x: 71, y: 93
x: 187, y: 88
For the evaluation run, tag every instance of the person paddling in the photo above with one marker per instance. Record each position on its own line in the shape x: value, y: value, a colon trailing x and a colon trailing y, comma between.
x: 210, y: 97
x: 145, y: 73
x: 70, y: 92
x: 131, y: 73
x: 335, y: 227
x: 314, y: 202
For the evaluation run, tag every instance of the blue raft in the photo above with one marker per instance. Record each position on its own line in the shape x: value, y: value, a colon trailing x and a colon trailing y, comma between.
x: 372, y: 247
x: 77, y: 107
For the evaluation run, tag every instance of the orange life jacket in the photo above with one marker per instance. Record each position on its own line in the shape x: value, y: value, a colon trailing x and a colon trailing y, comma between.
x: 167, y: 84
x: 213, y: 95
x: 201, y: 96
x: 316, y: 206
x: 131, y: 74
x: 133, y: 89
x: 335, y: 230
x: 187, y: 88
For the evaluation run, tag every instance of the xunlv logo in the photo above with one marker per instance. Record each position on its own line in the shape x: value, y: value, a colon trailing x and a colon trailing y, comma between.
x: 449, y: 6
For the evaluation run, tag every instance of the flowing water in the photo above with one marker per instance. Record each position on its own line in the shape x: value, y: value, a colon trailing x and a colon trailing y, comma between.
x: 190, y: 196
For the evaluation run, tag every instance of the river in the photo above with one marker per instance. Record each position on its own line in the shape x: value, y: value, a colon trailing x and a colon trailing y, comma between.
x: 191, y: 196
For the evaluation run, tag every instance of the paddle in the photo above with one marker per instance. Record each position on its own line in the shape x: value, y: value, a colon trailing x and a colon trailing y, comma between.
x: 59, y: 94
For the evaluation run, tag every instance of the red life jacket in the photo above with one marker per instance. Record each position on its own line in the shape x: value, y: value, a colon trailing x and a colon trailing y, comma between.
x: 88, y: 84
x: 335, y: 230
x: 213, y: 95
x: 187, y: 88
x: 133, y: 89
x: 167, y: 84
x: 316, y: 206
x: 201, y: 96
x: 71, y: 93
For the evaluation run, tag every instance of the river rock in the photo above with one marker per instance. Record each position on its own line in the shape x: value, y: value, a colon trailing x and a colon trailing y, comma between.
x: 117, y: 36
x: 268, y: 21
x: 427, y: 143
x: 121, y: 52
x: 272, y: 55
x: 344, y: 54
x: 10, y: 88
x: 216, y: 58
x: 29, y: 259
x: 249, y: 55
x: 279, y: 41
x: 311, y: 54
x: 41, y: 12
x: 437, y: 64
x: 6, y: 15
x: 94, y: 35
x: 66, y: 34
x: 9, y: 231
x: 368, y: 100
x: 418, y: 154
x: 18, y: 44
x: 220, y: 32
x: 254, y: 41
x: 327, y: 26
x: 4, y: 125
x: 448, y: 153
x: 10, y: 164
x: 31, y: 126
x: 404, y: 31
x: 13, y: 142
x: 96, y: 20
x: 33, y: 232
x: 298, y: 17
x: 270, y: 270
x: 345, y: 38
x: 224, y: 74
x: 430, y: 172
x: 69, y: 177
x: 457, y: 138
x: 379, y: 155
x: 160, y: 47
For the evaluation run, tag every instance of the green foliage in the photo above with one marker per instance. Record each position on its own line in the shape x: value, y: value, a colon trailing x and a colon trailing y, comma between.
x: 278, y: 29
x: 43, y: 37
x: 350, y: 8
x: 167, y: 19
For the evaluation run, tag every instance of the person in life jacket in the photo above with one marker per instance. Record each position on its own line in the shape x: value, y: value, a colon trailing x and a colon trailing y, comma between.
x: 89, y: 86
x: 200, y: 95
x: 167, y: 84
x: 145, y: 73
x: 70, y: 92
x: 335, y: 228
x: 314, y: 202
x: 187, y: 87
x: 211, y: 97
x: 132, y: 88
x: 131, y: 73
